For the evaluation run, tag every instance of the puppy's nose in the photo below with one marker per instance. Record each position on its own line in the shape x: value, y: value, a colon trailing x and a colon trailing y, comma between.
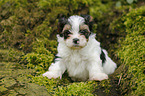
x: 76, y: 40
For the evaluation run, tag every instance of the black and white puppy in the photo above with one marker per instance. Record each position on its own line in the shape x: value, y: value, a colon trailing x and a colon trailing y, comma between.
x: 79, y: 53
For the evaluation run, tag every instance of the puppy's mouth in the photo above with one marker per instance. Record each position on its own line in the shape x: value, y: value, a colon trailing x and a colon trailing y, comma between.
x: 76, y: 46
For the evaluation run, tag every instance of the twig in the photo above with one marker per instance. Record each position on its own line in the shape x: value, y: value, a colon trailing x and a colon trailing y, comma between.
x: 119, y: 80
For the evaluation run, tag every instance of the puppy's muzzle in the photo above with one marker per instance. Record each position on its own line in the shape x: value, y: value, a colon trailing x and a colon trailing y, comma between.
x: 76, y: 41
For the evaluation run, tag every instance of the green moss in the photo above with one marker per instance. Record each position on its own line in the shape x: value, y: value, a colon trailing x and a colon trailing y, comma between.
x: 132, y: 51
x: 3, y: 88
x: 8, y: 82
x: 73, y: 4
x: 43, y: 45
x: 39, y: 61
x: 81, y: 88
x: 10, y: 55
x: 51, y: 84
x: 12, y: 93
x: 98, y: 10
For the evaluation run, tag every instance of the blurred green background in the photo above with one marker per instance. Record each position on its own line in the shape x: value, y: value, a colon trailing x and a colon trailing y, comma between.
x: 28, y: 44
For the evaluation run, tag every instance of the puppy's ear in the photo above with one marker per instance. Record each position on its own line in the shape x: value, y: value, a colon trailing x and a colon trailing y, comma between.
x: 88, y: 20
x: 62, y: 21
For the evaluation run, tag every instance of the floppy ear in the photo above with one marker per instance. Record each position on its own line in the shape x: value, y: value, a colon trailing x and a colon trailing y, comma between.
x: 62, y: 21
x: 88, y: 20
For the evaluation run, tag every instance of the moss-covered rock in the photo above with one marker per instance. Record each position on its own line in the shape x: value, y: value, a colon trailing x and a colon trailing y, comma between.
x: 132, y: 50
x: 15, y: 80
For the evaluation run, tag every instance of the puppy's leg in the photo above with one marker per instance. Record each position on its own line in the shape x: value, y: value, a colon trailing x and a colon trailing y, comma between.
x: 55, y: 70
x: 96, y: 72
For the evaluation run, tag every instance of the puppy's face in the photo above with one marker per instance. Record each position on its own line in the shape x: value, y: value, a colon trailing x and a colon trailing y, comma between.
x: 75, y: 31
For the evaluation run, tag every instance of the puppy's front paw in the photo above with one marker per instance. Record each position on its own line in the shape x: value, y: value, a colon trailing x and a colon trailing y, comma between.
x: 50, y: 75
x: 99, y: 77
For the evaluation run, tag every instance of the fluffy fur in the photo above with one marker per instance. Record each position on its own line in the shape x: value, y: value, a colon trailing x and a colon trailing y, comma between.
x: 79, y: 53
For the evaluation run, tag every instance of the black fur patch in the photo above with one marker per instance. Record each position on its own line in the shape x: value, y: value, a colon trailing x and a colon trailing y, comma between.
x: 66, y: 34
x: 102, y: 57
x: 56, y: 58
x: 62, y: 21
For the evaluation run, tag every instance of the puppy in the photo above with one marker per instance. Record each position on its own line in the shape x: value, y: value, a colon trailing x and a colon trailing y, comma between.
x: 79, y: 53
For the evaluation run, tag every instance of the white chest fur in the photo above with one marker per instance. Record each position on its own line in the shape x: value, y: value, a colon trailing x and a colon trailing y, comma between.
x: 76, y: 65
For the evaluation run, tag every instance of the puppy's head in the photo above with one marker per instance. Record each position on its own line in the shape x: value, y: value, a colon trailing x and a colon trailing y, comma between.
x: 75, y: 30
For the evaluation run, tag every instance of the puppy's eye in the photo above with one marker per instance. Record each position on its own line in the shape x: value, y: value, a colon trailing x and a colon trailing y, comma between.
x: 85, y: 33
